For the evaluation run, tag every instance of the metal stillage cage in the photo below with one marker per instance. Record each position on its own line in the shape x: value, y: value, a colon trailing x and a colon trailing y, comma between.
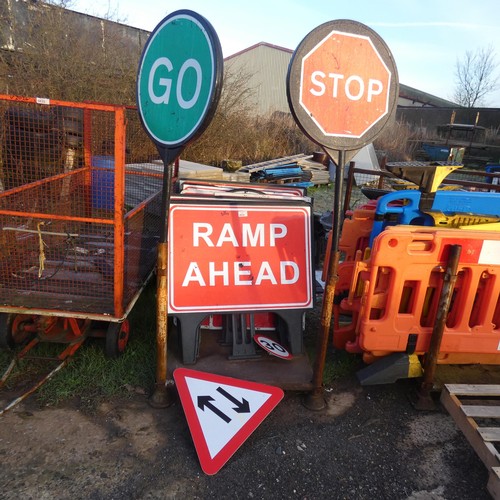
x: 80, y: 197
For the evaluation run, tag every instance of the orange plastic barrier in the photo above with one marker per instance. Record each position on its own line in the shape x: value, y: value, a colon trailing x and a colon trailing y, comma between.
x: 354, y: 239
x: 356, y: 230
x: 401, y: 285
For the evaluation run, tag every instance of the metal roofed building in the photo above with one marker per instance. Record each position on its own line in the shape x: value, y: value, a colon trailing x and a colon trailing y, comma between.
x: 266, y: 66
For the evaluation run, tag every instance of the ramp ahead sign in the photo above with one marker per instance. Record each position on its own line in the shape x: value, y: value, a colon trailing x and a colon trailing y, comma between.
x: 179, y: 79
x: 234, y: 257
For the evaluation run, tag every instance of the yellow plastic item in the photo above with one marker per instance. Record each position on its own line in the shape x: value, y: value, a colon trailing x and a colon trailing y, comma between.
x: 463, y: 220
x: 427, y: 176
x: 491, y: 226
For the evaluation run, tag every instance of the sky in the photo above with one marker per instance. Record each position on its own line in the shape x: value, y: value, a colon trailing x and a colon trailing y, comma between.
x: 426, y: 37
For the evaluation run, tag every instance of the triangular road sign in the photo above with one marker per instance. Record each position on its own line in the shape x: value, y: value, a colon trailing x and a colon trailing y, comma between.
x: 222, y: 412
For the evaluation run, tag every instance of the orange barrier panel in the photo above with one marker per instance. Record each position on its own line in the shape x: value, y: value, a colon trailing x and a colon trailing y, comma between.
x: 353, y: 243
x: 403, y: 280
x: 349, y: 290
x: 356, y: 230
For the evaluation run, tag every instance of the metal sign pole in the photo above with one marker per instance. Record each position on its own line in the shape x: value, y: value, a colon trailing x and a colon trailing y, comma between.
x: 342, y: 89
x: 179, y: 83
x: 160, y: 398
x: 314, y: 399
x: 424, y: 400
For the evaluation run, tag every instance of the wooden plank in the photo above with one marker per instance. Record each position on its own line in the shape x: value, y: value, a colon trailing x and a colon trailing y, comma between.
x: 482, y: 439
x: 490, y: 433
x: 474, y: 389
x: 494, y: 483
x: 479, y: 411
x: 469, y: 428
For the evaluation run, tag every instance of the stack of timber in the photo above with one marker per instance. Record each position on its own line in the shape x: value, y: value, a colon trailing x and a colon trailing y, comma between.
x: 193, y: 170
x: 317, y: 171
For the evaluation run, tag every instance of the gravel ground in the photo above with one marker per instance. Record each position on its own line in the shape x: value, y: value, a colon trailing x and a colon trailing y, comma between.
x: 369, y: 443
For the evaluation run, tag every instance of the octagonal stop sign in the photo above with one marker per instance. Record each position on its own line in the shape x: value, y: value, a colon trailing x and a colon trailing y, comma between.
x: 342, y: 85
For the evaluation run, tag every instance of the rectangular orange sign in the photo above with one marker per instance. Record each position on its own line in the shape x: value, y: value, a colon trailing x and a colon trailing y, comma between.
x: 239, y: 257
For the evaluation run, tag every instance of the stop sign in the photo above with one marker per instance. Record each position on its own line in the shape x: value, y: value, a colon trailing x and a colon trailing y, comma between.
x: 342, y: 85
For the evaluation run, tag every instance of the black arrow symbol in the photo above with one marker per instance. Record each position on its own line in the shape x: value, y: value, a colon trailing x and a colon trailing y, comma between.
x: 205, y: 401
x: 241, y: 406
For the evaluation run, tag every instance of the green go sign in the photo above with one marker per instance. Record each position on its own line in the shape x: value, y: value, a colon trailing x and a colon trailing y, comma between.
x: 179, y: 79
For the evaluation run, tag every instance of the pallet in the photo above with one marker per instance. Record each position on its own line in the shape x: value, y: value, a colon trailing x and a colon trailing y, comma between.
x: 470, y: 406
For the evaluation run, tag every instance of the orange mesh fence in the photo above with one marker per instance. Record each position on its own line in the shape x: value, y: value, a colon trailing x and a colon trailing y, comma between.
x: 80, y: 195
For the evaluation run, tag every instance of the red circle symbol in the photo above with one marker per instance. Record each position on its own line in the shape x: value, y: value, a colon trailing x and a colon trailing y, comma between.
x: 272, y: 347
x: 345, y: 85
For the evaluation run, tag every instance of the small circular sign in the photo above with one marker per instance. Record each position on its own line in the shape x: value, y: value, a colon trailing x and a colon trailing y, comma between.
x: 342, y: 85
x: 179, y: 79
x: 272, y: 347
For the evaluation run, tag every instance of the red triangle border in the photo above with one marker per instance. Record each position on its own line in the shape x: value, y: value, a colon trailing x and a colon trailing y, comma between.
x: 208, y: 464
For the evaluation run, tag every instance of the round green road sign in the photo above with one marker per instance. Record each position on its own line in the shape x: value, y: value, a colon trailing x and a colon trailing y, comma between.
x: 179, y: 79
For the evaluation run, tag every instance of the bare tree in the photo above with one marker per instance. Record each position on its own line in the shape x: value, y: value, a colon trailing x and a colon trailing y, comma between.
x: 475, y: 77
x: 57, y: 54
x: 62, y: 56
x: 236, y: 132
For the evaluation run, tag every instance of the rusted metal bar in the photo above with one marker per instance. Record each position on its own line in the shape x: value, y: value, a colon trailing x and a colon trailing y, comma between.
x: 382, y: 165
x: 35, y: 387
x: 161, y: 397
x: 119, y: 211
x: 8, y: 371
x: 315, y: 399
x: 349, y: 185
x: 424, y: 399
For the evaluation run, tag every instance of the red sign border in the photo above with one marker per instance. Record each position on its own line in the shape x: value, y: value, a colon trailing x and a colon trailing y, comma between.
x: 210, y: 465
x: 172, y: 309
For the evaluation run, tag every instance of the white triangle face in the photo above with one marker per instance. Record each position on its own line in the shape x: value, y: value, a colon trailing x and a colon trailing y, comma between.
x: 222, y: 410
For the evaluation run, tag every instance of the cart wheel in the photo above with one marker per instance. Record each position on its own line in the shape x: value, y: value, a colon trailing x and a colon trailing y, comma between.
x: 117, y: 338
x: 12, y: 331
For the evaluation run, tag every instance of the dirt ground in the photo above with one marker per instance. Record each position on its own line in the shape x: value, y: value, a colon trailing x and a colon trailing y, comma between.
x: 368, y: 443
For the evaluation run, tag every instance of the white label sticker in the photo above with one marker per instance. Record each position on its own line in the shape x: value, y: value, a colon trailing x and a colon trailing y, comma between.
x: 490, y: 253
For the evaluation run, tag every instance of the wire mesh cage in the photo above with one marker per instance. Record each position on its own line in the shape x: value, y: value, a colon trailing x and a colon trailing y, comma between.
x: 80, y: 199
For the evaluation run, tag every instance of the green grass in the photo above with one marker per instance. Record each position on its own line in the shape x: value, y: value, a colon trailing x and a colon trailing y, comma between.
x: 90, y: 376
x: 338, y: 364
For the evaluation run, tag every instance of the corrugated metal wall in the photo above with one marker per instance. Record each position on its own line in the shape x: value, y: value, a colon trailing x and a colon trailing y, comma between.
x: 266, y: 67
